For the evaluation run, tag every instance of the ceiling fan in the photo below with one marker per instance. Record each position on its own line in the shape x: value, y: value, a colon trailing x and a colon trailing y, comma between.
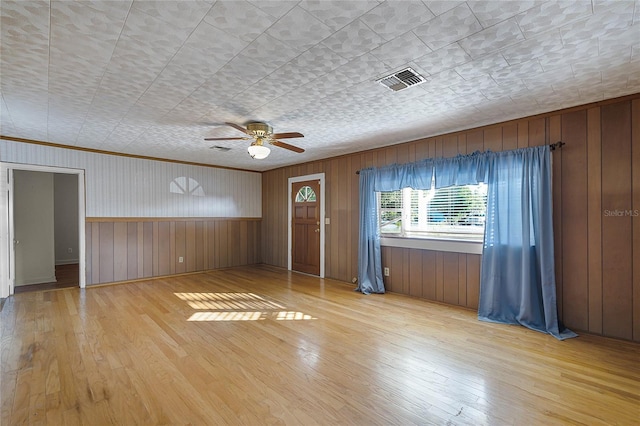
x: 262, y: 133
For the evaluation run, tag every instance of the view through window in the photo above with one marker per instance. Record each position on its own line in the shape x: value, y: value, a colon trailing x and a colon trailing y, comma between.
x: 455, y: 212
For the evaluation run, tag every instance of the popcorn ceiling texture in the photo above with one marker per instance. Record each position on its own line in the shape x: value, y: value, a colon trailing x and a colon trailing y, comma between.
x: 155, y: 78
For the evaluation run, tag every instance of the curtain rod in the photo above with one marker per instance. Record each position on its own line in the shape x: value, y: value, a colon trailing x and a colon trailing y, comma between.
x: 552, y: 147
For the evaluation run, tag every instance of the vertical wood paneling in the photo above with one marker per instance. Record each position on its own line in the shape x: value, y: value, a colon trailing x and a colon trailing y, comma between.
x: 132, y: 251
x: 462, y: 279
x: 120, y: 251
x: 439, y: 276
x: 594, y: 219
x: 523, y: 134
x: 173, y: 258
x: 555, y: 131
x: 475, y: 141
x: 462, y: 144
x: 148, y: 249
x: 156, y: 249
x: 575, y: 279
x: 342, y: 209
x: 385, y: 259
x: 222, y: 246
x: 537, y: 132
x: 140, y: 249
x: 213, y: 246
x: 635, y: 202
x: 510, y: 137
x: 450, y: 146
x: 617, y: 295
x: 233, y: 229
x: 164, y: 248
x: 127, y: 250
x: 396, y: 270
x: 493, y: 139
x: 415, y: 273
x: 473, y: 280
x: 450, y: 278
x: 179, y: 244
x: 95, y: 253
x: 334, y: 230
x: 118, y: 186
x: 428, y: 274
x: 105, y: 250
x: 88, y: 253
x: 190, y: 249
x: 405, y: 270
x: 582, y: 238
x: 244, y: 255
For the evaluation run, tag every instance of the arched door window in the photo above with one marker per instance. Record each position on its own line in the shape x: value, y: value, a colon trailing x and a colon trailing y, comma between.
x: 305, y: 194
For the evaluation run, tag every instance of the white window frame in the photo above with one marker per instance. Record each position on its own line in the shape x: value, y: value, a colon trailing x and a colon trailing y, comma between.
x: 425, y: 240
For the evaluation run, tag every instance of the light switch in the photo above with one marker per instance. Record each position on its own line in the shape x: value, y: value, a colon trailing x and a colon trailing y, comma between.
x: 327, y: 221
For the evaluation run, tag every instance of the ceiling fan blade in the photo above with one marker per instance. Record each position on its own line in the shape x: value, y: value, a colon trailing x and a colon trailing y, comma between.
x: 287, y: 135
x: 287, y: 146
x: 225, y: 139
x: 235, y: 126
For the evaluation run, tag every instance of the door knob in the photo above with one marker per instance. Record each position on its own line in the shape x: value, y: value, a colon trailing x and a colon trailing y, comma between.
x: 317, y: 230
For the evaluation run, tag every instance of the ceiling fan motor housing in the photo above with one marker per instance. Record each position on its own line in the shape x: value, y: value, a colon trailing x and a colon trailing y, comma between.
x: 259, y: 129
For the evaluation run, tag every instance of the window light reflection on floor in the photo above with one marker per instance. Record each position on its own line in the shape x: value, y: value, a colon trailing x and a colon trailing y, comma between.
x: 250, y: 316
x: 237, y: 307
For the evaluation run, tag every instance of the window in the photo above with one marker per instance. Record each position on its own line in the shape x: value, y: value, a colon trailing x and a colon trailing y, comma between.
x: 455, y: 213
x: 305, y: 194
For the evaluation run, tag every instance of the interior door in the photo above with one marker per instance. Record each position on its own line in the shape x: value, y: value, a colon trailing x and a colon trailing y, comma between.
x: 305, y: 224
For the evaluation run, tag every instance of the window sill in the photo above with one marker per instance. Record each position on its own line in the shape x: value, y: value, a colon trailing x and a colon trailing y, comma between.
x: 461, y: 246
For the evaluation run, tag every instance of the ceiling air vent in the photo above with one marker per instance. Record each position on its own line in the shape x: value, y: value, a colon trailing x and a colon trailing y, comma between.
x: 402, y: 79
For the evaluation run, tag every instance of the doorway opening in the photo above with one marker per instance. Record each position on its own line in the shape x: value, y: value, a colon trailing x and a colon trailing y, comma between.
x: 38, y: 250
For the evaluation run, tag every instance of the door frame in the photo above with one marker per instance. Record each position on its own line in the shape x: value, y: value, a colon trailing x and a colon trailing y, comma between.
x: 7, y: 231
x: 291, y: 181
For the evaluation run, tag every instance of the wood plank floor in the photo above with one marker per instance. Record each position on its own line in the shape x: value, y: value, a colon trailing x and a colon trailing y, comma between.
x: 258, y: 345
x: 66, y: 276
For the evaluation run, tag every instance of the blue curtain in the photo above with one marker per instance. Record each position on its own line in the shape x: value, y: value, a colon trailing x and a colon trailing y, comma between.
x: 416, y: 175
x: 517, y: 283
x: 369, y: 261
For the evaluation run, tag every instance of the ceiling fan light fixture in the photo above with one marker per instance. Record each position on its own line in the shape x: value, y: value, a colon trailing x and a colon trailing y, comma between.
x: 258, y: 152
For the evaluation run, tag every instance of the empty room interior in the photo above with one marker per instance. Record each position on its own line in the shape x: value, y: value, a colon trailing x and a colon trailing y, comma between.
x: 358, y: 212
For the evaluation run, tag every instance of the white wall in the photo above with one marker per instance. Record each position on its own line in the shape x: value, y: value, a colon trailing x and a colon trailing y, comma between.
x: 119, y: 186
x: 33, y: 224
x: 65, y: 207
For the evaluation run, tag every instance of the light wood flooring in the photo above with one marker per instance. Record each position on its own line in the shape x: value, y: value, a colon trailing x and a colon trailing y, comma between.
x: 259, y: 345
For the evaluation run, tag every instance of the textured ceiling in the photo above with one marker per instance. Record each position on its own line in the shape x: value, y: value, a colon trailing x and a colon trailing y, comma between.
x: 156, y: 77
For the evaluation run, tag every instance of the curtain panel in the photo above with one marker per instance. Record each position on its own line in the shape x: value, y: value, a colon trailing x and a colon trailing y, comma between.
x: 517, y: 283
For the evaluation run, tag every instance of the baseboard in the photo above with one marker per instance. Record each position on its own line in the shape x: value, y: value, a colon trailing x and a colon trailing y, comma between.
x: 43, y: 280
x: 67, y: 262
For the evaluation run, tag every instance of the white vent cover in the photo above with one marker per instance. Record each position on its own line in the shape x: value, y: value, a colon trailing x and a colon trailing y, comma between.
x: 402, y: 79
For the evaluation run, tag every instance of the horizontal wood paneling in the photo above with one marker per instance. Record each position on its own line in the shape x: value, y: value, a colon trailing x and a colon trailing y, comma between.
x: 598, y: 171
x: 130, y: 250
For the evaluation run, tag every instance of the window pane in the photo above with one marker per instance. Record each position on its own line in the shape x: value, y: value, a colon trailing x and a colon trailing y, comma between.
x: 453, y: 212
x: 305, y: 194
x: 390, y: 212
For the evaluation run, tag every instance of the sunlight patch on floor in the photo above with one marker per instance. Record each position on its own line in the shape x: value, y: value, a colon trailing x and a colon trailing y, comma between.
x: 238, y: 307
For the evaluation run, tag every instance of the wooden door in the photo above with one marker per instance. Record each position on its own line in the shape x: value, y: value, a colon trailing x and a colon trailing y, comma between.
x: 305, y: 227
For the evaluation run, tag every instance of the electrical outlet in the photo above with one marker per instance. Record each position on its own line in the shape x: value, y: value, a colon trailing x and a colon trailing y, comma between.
x: 386, y: 272
x: 180, y: 259
x: 69, y: 250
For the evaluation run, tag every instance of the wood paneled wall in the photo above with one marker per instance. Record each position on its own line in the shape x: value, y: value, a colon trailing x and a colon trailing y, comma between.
x: 596, y: 184
x: 128, y: 249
